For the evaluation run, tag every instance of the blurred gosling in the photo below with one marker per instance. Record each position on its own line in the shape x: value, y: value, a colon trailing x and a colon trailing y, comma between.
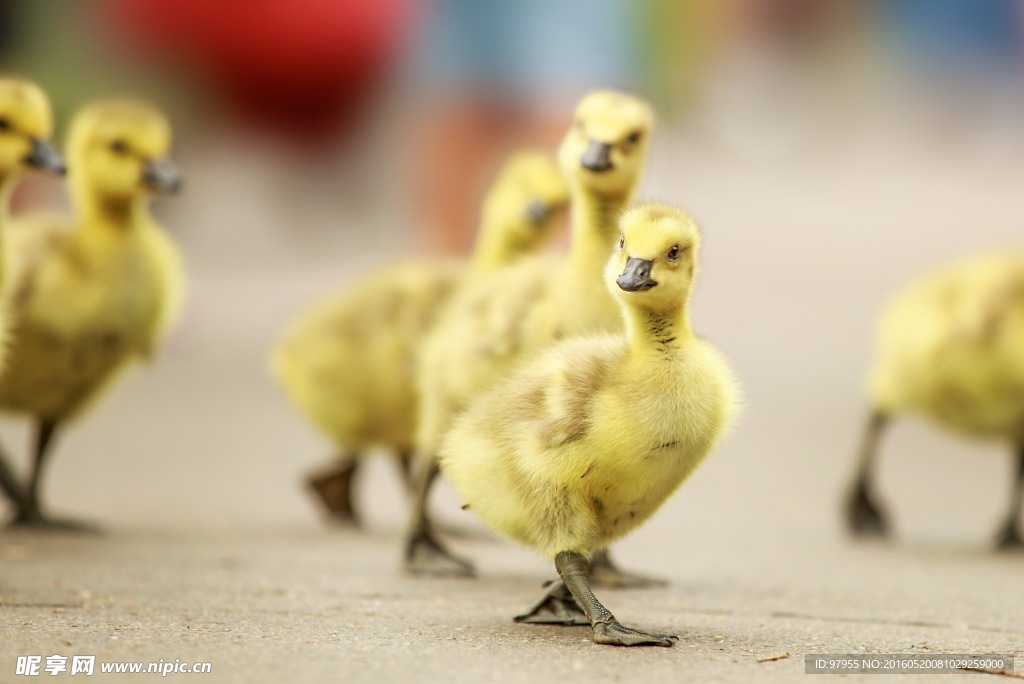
x: 582, y: 445
x: 90, y: 293
x: 950, y: 348
x: 524, y: 308
x: 348, y: 363
x: 26, y: 123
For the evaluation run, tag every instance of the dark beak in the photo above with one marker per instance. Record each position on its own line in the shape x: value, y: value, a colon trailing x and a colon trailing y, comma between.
x: 537, y: 211
x: 637, y: 276
x: 597, y: 157
x: 45, y: 157
x: 162, y: 176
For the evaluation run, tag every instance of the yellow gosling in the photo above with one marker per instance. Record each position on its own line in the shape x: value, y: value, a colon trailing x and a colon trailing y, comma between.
x: 26, y: 123
x: 580, y: 446
x: 524, y: 308
x: 90, y: 293
x: 348, y: 363
x: 950, y: 348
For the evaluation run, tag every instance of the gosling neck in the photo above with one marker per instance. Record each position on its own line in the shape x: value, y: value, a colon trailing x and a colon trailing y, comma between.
x: 658, y: 332
x: 594, y: 230
x: 7, y: 181
x: 494, y: 248
x: 105, y: 213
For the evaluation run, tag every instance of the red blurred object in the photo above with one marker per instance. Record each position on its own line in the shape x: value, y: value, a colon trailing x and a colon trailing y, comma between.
x: 299, y: 66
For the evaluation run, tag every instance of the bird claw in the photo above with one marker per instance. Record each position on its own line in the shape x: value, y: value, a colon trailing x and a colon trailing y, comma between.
x: 425, y: 556
x: 615, y: 634
x: 864, y: 517
x: 557, y: 607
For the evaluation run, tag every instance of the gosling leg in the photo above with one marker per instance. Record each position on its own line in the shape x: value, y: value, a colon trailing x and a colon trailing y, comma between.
x: 333, y: 488
x: 605, y: 573
x: 424, y: 553
x: 405, y: 462
x: 863, y: 515
x: 1009, y: 537
x: 574, y: 570
x: 30, y: 513
x: 9, y: 481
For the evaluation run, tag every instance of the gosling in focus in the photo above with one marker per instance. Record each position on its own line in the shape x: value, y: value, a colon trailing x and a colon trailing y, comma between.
x: 950, y: 348
x: 522, y: 309
x: 581, y: 446
x: 90, y: 293
x: 349, y: 362
x: 26, y: 123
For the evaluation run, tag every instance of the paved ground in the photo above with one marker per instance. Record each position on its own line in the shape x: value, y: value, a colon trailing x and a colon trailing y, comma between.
x: 213, y: 553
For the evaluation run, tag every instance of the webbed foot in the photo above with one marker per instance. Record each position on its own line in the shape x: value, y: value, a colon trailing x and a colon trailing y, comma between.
x: 863, y: 517
x: 1009, y: 538
x: 426, y: 556
x: 333, y: 489
x: 557, y: 607
x: 615, y: 634
x: 36, y: 521
x: 604, y: 573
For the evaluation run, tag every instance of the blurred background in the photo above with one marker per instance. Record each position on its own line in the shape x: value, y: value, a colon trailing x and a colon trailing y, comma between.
x: 832, y: 149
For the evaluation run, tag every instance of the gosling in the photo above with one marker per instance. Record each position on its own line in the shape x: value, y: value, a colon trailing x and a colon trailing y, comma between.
x: 91, y: 293
x: 348, y: 363
x: 950, y: 348
x: 581, y: 446
x: 26, y: 122
x: 524, y: 308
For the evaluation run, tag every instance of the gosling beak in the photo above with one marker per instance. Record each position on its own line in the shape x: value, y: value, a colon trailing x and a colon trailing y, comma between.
x: 637, y: 276
x: 45, y: 157
x: 537, y: 211
x: 162, y: 175
x: 597, y: 157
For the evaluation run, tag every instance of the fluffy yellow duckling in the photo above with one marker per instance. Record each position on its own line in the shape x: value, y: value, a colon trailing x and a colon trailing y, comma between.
x: 90, y: 293
x: 524, y: 308
x: 582, y: 445
x: 348, y: 363
x: 950, y: 348
x: 26, y: 122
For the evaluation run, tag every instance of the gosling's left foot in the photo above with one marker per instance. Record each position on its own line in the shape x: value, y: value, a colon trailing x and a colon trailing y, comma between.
x: 36, y: 521
x: 426, y: 556
x: 332, y: 487
x: 557, y: 607
x: 1009, y: 539
x: 608, y: 575
x: 615, y: 634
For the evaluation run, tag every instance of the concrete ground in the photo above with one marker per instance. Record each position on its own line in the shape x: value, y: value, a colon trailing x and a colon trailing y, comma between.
x: 214, y: 553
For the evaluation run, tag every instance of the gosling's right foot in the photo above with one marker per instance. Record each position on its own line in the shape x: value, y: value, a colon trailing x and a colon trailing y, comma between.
x: 615, y: 634
x: 864, y: 518
x: 425, y: 556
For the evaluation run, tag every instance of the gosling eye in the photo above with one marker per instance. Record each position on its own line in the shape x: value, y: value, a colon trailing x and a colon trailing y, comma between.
x: 634, y: 138
x: 5, y: 125
x: 673, y: 253
x: 622, y: 242
x: 119, y: 147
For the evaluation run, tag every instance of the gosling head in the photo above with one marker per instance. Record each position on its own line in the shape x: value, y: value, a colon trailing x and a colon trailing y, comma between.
x: 528, y: 198
x: 606, y: 147
x: 653, y: 264
x: 26, y: 123
x: 118, y: 148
